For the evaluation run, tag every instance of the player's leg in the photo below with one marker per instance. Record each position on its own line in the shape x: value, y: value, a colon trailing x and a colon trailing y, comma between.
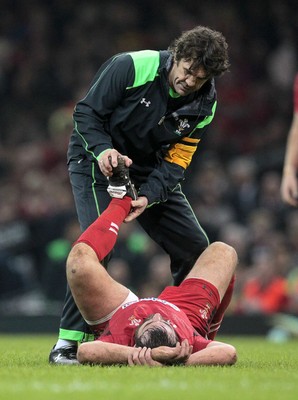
x: 203, y: 290
x: 94, y: 291
x: 216, y: 265
x: 219, y: 315
x: 175, y: 228
x: 91, y: 198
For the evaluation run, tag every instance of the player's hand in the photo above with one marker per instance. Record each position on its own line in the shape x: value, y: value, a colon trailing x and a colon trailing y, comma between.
x: 142, y: 356
x: 173, y: 355
x: 137, y: 207
x: 289, y: 187
x: 109, y: 159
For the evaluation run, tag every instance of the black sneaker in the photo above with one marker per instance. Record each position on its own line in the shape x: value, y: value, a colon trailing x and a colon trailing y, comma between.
x: 120, y: 184
x: 64, y: 355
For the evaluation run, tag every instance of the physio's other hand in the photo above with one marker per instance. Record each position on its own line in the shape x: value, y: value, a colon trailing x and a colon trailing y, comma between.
x: 109, y: 159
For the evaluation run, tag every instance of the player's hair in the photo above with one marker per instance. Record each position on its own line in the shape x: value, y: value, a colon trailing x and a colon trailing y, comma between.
x: 205, y: 47
x: 154, y: 337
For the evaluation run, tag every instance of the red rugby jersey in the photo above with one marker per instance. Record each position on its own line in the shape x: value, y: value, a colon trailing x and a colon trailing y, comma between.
x: 126, y: 320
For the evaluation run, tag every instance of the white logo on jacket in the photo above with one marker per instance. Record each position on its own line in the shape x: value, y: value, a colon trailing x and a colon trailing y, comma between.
x: 183, y: 124
x: 144, y: 101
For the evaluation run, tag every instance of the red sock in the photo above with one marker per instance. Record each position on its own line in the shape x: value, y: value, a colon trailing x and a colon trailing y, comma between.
x: 102, y: 234
x: 218, y: 317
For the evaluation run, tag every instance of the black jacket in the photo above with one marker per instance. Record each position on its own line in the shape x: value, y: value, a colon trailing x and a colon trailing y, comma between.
x: 129, y: 107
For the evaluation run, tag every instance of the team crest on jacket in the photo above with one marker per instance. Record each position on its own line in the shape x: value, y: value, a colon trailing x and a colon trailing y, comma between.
x: 182, y: 124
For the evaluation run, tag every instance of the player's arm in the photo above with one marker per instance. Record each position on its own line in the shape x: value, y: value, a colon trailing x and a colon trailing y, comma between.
x: 99, y: 352
x: 105, y: 353
x: 289, y: 185
x: 216, y: 353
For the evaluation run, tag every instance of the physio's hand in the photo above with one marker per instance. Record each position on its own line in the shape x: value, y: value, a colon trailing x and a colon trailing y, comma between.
x: 289, y: 187
x: 142, y: 356
x: 137, y: 207
x: 109, y: 159
x: 173, y: 355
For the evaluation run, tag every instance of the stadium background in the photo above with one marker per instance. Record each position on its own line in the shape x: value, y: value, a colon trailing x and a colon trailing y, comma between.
x: 49, y: 52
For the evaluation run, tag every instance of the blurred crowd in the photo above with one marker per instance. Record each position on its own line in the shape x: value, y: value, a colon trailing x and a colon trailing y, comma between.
x: 50, y: 51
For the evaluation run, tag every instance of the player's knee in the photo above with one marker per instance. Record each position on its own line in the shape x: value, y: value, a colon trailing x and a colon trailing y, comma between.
x: 226, y: 251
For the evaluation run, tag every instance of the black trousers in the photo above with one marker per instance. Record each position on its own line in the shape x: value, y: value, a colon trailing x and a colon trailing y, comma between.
x: 172, y: 225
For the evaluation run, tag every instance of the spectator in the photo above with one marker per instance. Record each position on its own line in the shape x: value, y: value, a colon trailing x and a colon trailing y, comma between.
x: 265, y: 291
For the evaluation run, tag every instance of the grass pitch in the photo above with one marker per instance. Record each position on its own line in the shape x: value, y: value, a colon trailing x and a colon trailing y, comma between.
x: 264, y: 370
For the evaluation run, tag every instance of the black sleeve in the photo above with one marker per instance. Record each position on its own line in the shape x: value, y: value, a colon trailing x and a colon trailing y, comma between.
x: 169, y: 171
x: 165, y: 177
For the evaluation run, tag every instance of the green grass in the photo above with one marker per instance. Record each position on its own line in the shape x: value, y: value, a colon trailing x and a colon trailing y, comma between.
x: 264, y: 370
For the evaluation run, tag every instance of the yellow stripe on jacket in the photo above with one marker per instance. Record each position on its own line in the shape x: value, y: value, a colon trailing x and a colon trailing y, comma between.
x: 181, y: 153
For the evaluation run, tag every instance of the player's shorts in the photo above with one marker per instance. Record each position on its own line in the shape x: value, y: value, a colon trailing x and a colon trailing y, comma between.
x: 199, y: 300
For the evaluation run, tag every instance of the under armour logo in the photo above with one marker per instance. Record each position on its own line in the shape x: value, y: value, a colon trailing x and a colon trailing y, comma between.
x: 147, y: 103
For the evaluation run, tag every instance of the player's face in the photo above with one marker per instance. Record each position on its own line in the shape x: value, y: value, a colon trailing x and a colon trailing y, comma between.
x: 156, y: 320
x: 184, y: 80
